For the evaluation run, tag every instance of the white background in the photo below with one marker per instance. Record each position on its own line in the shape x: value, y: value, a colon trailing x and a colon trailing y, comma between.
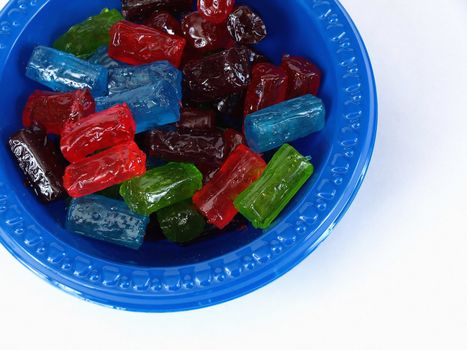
x: 393, y: 273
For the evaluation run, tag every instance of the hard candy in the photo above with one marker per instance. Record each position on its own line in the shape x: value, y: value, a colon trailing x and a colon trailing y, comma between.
x: 304, y: 76
x: 245, y: 26
x: 161, y: 187
x: 271, y: 127
x: 102, y: 58
x: 285, y: 174
x: 216, y: 11
x: 61, y: 71
x: 141, y: 9
x: 107, y: 220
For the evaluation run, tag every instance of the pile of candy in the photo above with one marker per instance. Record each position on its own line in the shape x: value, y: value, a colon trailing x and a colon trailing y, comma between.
x: 135, y: 103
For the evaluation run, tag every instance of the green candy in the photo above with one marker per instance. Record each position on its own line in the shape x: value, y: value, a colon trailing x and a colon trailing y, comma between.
x: 86, y: 37
x: 264, y: 200
x: 181, y: 222
x: 161, y: 187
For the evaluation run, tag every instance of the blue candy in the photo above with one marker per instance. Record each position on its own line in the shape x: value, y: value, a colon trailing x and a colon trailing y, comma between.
x: 107, y: 220
x: 102, y: 58
x: 64, y: 72
x: 152, y: 105
x: 122, y: 79
x: 288, y: 121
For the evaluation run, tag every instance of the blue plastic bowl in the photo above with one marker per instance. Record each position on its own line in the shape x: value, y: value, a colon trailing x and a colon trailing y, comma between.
x: 163, y: 276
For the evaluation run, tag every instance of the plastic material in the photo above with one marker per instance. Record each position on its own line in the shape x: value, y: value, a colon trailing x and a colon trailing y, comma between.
x: 162, y: 276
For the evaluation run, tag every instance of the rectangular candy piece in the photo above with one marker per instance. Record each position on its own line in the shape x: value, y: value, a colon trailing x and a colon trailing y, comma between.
x: 137, y: 44
x: 186, y: 145
x: 152, y: 105
x: 107, y: 220
x: 122, y: 79
x: 97, y: 132
x: 288, y: 121
x: 41, y: 164
x: 51, y: 110
x: 101, y: 58
x: 84, y: 38
x: 105, y: 169
x: 240, y: 170
x: 268, y: 87
x: 61, y: 71
x: 161, y: 187
x: 181, y: 222
x: 217, y: 76
x: 285, y: 174
x: 141, y: 9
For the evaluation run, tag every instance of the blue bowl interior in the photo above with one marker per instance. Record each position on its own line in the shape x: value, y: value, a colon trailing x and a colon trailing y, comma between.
x: 286, y: 35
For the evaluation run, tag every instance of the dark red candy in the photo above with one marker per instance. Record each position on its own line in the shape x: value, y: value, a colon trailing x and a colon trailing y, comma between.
x: 232, y: 139
x: 245, y: 26
x: 216, y: 11
x: 164, y: 22
x: 96, y: 132
x: 217, y: 76
x: 268, y: 87
x: 192, y: 146
x: 304, y: 76
x: 104, y: 169
x: 138, y: 44
x: 203, y: 35
x: 194, y: 118
x: 40, y: 162
x: 141, y: 9
x: 239, y: 171
x: 51, y: 109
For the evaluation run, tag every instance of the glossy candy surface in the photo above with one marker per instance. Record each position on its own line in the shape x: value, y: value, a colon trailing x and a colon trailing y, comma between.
x: 104, y: 169
x: 193, y: 118
x: 141, y: 9
x: 271, y: 127
x: 183, y: 145
x: 161, y: 187
x: 97, y: 132
x: 84, y: 38
x: 122, y: 79
x: 216, y: 11
x: 51, y: 110
x: 268, y: 87
x: 138, y: 44
x: 165, y: 22
x: 181, y: 222
x: 40, y: 162
x: 101, y: 57
x: 61, y: 71
x: 107, y: 220
x: 217, y: 76
x: 285, y: 174
x: 232, y: 105
x: 245, y: 26
x: 151, y: 105
x: 240, y: 170
x: 203, y: 35
x: 304, y: 76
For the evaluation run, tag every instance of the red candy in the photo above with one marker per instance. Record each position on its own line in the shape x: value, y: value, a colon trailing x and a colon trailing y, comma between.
x: 304, y: 76
x: 232, y: 139
x: 105, y: 169
x: 268, y: 87
x: 165, y: 22
x: 216, y: 11
x: 51, y: 110
x: 203, y: 35
x: 239, y: 171
x: 96, y: 132
x: 137, y: 44
x: 193, y: 118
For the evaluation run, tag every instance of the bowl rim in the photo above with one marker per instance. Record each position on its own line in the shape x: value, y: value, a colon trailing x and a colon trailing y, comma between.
x: 220, y: 279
